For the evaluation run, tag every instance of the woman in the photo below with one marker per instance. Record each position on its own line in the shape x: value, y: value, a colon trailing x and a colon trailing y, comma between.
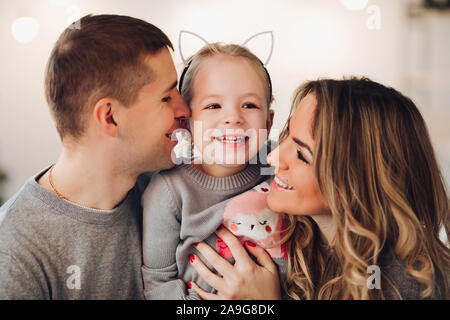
x: 358, y: 176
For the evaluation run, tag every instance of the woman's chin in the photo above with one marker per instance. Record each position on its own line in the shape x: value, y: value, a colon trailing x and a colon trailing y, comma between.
x: 283, y: 204
x: 274, y: 203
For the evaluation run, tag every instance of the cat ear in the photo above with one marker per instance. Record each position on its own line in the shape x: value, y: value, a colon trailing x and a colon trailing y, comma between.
x: 261, y: 44
x: 189, y: 43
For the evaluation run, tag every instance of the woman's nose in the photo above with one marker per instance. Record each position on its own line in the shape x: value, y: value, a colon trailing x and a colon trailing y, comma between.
x: 276, y: 158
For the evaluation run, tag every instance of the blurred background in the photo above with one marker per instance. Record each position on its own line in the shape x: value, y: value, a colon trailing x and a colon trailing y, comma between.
x: 400, y: 43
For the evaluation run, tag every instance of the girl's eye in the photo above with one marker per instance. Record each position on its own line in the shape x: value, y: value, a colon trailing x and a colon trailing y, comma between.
x: 237, y: 223
x: 166, y: 99
x: 213, y: 106
x: 250, y: 106
x: 300, y: 156
x: 263, y: 223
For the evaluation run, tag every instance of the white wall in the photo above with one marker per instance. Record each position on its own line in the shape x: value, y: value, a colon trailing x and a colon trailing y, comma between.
x: 427, y: 74
x: 312, y: 39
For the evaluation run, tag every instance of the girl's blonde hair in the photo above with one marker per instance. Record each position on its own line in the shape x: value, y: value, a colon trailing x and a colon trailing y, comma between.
x: 376, y: 169
x: 232, y: 50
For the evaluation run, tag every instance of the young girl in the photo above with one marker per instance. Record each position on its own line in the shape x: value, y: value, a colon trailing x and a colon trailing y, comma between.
x: 229, y: 92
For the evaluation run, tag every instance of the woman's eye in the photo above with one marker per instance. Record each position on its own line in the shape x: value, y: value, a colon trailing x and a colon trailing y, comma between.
x: 213, y: 106
x: 166, y: 99
x: 237, y: 223
x: 263, y: 223
x: 250, y: 106
x: 300, y: 156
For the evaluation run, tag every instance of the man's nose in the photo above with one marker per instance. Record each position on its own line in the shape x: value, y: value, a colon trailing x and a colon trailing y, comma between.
x: 181, y: 109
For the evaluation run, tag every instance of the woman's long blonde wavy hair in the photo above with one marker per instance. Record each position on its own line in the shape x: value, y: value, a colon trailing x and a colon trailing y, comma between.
x: 377, y: 172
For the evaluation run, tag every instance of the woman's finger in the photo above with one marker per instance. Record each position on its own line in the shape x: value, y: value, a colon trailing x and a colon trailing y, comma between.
x: 238, y: 251
x: 202, y: 293
x: 219, y: 263
x: 261, y: 255
x: 212, y: 279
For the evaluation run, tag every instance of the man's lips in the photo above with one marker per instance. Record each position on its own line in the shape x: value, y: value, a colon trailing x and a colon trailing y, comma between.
x: 172, y: 133
x: 179, y: 124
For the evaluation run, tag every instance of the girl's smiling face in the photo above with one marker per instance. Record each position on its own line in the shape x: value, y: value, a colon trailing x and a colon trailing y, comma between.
x: 294, y: 189
x: 230, y: 117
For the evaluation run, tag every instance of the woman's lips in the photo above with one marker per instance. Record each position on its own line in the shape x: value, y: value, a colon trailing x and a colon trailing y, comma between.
x: 281, y: 185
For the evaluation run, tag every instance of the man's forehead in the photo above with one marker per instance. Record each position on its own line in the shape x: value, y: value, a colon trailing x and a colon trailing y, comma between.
x: 162, y: 70
x: 162, y: 59
x: 161, y: 64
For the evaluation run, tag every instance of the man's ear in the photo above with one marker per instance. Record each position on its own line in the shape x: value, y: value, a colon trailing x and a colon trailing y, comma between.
x: 270, y: 120
x: 104, y: 113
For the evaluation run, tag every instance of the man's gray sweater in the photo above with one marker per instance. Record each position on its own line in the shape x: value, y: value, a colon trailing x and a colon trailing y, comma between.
x: 53, y: 249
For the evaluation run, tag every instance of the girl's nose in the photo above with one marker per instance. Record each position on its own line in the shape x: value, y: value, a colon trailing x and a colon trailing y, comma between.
x: 233, y: 117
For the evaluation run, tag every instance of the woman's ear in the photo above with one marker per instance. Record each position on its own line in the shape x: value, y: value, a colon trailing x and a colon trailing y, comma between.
x: 104, y: 116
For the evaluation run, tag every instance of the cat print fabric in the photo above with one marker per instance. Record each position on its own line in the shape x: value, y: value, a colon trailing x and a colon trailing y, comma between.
x: 248, y: 217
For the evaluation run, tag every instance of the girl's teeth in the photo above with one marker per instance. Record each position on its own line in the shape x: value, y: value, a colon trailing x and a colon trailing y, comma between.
x: 284, y: 185
x: 231, y: 139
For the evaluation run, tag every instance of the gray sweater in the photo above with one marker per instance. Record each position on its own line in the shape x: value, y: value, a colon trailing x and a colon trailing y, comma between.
x: 53, y: 249
x: 180, y: 207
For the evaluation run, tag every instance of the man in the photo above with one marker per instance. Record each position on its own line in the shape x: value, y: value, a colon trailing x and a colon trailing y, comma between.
x: 74, y: 230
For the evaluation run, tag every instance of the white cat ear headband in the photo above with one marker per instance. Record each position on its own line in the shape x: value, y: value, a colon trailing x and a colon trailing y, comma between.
x: 188, y: 63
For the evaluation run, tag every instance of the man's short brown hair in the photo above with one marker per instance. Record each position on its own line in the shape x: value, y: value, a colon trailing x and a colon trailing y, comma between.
x: 103, y: 58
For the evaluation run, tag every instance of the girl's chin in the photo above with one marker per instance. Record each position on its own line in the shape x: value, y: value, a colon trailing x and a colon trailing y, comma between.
x: 216, y: 166
x: 220, y: 171
x: 229, y: 160
x: 232, y: 165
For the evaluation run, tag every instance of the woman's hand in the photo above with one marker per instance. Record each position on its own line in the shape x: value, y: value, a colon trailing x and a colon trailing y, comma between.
x: 243, y: 280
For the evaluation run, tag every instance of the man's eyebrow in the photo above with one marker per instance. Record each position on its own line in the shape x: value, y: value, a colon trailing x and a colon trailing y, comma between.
x: 302, y: 144
x: 172, y: 86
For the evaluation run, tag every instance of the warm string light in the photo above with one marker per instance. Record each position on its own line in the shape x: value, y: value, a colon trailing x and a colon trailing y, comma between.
x: 354, y: 5
x: 25, y: 29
